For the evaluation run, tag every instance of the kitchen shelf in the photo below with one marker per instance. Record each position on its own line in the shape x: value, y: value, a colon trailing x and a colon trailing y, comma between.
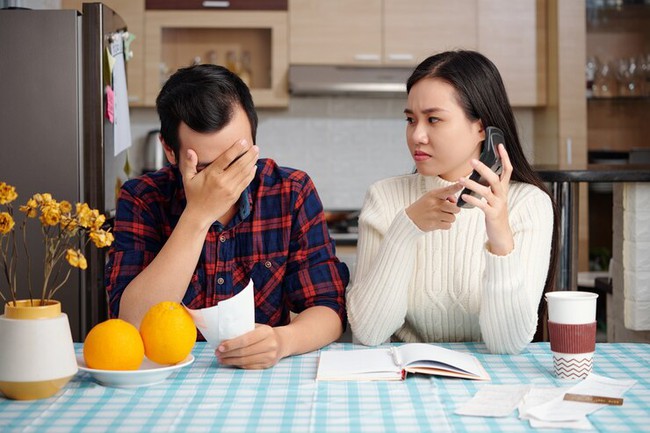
x: 618, y: 18
x: 176, y: 39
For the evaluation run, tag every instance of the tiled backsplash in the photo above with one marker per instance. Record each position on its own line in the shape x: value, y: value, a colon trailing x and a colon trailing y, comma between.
x: 343, y: 143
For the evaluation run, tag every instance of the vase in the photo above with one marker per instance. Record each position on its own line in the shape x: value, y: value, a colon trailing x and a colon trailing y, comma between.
x: 37, y: 356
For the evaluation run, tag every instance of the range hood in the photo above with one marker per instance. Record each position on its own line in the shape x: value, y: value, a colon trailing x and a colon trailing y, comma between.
x: 348, y: 80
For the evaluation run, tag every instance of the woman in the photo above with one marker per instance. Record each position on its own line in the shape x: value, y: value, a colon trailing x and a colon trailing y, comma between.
x: 430, y: 271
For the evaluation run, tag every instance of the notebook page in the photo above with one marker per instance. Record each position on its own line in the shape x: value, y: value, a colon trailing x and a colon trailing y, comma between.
x: 342, y: 364
x: 413, y: 352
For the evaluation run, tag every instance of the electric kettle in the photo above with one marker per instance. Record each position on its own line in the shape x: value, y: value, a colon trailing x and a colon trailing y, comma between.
x: 154, y: 156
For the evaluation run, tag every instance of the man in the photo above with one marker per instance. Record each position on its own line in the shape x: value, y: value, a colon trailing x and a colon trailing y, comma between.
x: 197, y: 231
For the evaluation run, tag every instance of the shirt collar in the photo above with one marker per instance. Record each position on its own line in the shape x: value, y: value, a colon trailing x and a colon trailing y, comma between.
x: 245, y: 204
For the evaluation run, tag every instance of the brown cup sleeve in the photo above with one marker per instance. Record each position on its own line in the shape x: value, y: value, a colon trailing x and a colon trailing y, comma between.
x: 572, y: 338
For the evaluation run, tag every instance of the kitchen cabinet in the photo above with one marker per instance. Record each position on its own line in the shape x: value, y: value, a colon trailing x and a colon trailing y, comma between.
x: 132, y: 12
x: 618, y: 64
x: 378, y: 32
x: 416, y: 29
x: 180, y: 38
x: 513, y: 36
x: 335, y: 32
x: 229, y: 4
x: 397, y: 33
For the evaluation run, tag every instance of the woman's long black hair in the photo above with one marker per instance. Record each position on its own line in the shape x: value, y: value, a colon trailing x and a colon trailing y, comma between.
x: 482, y: 95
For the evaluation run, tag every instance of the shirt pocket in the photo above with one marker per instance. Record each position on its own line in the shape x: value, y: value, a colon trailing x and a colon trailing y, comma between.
x: 195, y: 294
x: 268, y: 274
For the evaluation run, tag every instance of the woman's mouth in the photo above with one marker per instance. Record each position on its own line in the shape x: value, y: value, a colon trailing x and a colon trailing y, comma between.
x: 420, y: 156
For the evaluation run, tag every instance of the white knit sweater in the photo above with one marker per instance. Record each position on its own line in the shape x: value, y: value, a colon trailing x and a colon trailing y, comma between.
x: 445, y: 285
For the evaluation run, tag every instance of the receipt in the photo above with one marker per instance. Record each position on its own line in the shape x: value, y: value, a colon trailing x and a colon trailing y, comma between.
x: 228, y: 319
x: 494, y: 400
x: 537, y: 396
x: 559, y: 409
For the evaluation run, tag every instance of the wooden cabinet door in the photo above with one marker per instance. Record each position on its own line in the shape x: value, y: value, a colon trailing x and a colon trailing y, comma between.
x: 512, y: 34
x: 132, y: 12
x: 416, y: 29
x: 335, y: 32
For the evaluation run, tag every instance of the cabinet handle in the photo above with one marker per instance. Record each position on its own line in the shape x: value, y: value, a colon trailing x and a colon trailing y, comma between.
x: 401, y: 57
x: 216, y: 4
x: 367, y: 57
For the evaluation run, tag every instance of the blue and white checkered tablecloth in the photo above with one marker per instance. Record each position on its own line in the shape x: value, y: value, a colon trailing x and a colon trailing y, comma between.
x: 286, y: 398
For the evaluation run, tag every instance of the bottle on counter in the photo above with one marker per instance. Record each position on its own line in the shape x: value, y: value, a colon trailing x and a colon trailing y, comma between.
x: 212, y: 57
x: 245, y: 73
x: 232, y: 62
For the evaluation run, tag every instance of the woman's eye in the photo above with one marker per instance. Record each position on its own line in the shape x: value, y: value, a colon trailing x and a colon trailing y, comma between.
x: 433, y: 119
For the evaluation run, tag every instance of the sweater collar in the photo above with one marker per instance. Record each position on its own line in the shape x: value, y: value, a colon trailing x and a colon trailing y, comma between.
x: 433, y: 182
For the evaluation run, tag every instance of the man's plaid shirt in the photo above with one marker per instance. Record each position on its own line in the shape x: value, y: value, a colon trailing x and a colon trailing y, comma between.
x: 278, y: 238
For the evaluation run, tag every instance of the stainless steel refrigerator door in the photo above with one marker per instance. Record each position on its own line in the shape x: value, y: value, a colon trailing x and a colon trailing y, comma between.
x: 40, y: 123
x: 102, y: 167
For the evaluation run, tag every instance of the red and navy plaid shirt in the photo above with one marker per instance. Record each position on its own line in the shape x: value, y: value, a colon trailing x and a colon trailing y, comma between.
x: 278, y: 238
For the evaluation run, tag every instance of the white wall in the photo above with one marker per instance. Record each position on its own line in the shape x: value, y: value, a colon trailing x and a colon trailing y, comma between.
x: 344, y: 143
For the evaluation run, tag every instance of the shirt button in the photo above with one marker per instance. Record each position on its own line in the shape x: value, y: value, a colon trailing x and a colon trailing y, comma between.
x: 223, y: 238
x: 220, y: 280
x: 268, y: 264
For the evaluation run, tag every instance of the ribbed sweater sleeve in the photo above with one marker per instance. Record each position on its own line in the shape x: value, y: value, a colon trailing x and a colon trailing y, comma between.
x: 514, y: 283
x: 377, y: 299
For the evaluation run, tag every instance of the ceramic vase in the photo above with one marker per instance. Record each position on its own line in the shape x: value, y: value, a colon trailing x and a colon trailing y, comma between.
x: 37, y: 356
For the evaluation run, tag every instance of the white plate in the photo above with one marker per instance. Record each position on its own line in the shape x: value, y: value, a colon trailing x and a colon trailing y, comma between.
x: 149, y: 373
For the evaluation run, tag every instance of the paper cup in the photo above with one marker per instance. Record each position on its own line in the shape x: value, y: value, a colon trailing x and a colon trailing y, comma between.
x: 572, y: 331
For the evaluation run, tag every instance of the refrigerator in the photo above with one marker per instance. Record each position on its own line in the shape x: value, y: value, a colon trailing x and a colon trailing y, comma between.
x: 55, y: 131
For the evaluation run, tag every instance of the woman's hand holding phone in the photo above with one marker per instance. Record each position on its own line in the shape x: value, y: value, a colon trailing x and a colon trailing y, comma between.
x: 492, y: 199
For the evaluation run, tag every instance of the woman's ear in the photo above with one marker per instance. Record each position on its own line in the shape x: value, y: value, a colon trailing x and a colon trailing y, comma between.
x: 169, y: 153
x: 480, y: 129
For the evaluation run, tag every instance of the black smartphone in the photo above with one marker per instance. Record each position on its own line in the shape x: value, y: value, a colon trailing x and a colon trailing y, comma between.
x: 490, y: 157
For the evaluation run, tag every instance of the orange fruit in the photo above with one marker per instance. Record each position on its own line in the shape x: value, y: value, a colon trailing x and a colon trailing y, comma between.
x: 113, y: 345
x: 168, y: 333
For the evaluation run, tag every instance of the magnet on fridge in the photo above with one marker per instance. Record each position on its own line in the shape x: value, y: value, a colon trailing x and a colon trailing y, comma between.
x: 110, y: 104
x: 128, y: 38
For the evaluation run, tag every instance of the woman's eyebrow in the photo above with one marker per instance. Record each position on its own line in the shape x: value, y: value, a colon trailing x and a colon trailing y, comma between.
x: 425, y: 111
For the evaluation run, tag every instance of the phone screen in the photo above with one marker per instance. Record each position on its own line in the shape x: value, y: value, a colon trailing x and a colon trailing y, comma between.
x: 490, y: 157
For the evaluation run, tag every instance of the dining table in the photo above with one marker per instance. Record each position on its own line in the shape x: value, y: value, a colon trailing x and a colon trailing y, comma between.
x: 205, y: 396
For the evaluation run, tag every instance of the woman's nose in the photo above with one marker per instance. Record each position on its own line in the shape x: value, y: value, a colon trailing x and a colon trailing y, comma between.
x: 419, y: 135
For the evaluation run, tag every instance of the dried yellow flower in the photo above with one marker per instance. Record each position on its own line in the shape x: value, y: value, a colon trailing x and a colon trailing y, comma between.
x: 7, y: 193
x: 65, y: 206
x: 101, y: 238
x: 84, y: 215
x: 68, y: 223
x: 30, y: 208
x: 6, y: 223
x: 98, y: 222
x: 62, y: 231
x: 51, y: 215
x: 76, y: 258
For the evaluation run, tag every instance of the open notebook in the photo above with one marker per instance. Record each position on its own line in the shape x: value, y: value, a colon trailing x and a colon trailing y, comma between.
x: 393, y: 363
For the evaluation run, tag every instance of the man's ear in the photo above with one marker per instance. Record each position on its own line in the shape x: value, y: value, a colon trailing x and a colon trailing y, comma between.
x: 169, y: 153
